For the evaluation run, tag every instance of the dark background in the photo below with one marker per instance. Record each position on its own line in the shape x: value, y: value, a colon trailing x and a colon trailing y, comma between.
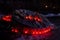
x: 53, y: 6
x: 43, y: 6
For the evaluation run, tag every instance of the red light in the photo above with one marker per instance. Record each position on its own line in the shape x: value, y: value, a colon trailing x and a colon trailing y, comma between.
x: 7, y: 18
x: 40, y: 33
x: 43, y: 31
x: 37, y: 19
x: 26, y: 32
x: 46, y: 30
x: 33, y: 32
x: 26, y: 17
x: 37, y: 32
x: 30, y: 17
x: 14, y: 30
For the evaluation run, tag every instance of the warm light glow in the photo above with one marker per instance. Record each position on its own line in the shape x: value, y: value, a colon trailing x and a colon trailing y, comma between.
x: 7, y: 18
x: 30, y: 17
x: 33, y: 32
x: 46, y: 6
x: 26, y: 32
x: 14, y: 30
x: 26, y: 17
x: 40, y: 33
x: 43, y: 31
x: 37, y: 32
x: 37, y: 19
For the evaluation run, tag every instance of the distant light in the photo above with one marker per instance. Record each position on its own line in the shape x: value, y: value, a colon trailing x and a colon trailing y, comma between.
x: 54, y: 7
x: 27, y: 17
x: 30, y: 17
x: 14, y: 30
x: 37, y: 32
x: 40, y: 19
x: 26, y: 32
x: 44, y: 31
x: 46, y: 6
x: 37, y: 19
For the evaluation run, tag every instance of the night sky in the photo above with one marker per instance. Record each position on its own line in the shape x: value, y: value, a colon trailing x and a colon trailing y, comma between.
x: 45, y: 6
